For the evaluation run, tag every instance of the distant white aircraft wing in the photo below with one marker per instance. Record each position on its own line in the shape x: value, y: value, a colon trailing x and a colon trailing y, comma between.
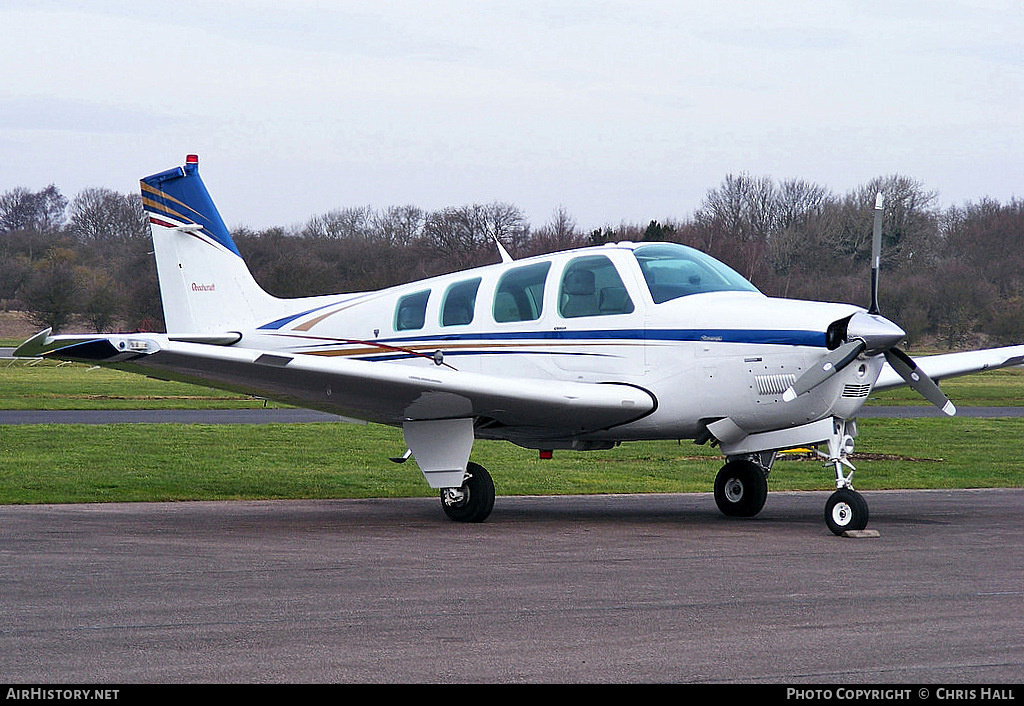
x: 948, y: 365
x: 384, y: 392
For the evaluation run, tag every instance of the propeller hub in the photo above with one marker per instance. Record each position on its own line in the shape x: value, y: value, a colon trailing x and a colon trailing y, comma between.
x: 877, y: 332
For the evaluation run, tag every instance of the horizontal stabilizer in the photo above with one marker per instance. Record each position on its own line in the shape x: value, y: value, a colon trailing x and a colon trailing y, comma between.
x: 95, y: 346
x: 76, y: 347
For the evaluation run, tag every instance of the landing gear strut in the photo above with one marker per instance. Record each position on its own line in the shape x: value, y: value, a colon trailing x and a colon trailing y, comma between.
x: 474, y: 500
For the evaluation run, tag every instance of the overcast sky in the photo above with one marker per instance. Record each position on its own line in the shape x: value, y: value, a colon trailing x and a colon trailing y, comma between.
x: 616, y: 111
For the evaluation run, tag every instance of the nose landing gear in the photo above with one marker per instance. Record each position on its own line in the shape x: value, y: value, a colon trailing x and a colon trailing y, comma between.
x: 846, y: 509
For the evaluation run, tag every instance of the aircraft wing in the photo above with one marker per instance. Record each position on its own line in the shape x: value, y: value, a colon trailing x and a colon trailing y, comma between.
x: 384, y: 392
x: 948, y: 365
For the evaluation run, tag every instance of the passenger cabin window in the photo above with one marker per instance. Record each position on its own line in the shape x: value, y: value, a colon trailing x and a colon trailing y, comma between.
x: 411, y: 311
x: 520, y: 293
x: 459, y: 303
x: 674, y: 271
x: 592, y: 287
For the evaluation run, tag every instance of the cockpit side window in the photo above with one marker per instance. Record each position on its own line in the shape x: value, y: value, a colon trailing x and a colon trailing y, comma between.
x: 672, y: 271
x: 592, y: 287
x: 520, y: 293
x: 459, y: 303
x: 411, y: 311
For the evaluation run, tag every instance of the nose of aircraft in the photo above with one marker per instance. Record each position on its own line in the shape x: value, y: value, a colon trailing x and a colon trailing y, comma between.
x: 878, y: 333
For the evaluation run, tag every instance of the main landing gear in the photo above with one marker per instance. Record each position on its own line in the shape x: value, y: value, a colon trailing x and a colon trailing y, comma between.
x: 741, y: 488
x: 474, y: 500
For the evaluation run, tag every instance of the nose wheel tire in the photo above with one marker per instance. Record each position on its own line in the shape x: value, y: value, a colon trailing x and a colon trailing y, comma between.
x: 741, y: 489
x: 846, y: 510
x: 474, y: 500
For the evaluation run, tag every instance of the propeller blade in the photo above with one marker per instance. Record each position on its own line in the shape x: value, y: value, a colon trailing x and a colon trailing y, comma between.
x: 829, y: 365
x: 917, y: 379
x: 876, y: 254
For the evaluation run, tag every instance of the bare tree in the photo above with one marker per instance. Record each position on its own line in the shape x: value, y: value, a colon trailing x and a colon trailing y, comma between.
x: 398, y: 225
x: 462, y: 235
x: 741, y: 208
x: 351, y: 222
x: 98, y: 215
x: 559, y: 233
x: 21, y: 209
x: 990, y: 236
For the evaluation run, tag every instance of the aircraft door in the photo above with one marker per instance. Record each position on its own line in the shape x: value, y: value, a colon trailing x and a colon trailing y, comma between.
x: 597, y: 329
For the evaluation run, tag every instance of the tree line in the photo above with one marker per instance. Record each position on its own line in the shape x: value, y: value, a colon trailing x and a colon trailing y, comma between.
x: 950, y: 275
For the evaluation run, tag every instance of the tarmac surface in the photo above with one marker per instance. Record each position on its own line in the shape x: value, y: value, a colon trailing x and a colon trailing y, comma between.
x: 638, y: 588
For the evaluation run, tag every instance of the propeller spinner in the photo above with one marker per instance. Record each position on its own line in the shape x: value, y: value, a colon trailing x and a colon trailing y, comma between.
x: 870, y: 334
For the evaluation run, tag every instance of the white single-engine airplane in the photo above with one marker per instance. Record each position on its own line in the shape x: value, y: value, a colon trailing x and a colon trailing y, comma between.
x: 575, y: 350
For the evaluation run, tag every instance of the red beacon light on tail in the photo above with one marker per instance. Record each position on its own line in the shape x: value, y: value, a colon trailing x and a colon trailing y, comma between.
x: 191, y: 164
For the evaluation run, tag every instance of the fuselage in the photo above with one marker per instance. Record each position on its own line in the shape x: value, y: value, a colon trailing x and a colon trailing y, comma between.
x: 675, y: 322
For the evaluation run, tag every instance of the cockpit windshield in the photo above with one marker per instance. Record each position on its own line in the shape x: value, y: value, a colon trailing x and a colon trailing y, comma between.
x: 674, y: 271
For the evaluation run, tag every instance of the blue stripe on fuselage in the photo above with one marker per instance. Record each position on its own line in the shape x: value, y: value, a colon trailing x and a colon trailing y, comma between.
x: 279, y: 323
x: 814, y: 339
x: 399, y: 348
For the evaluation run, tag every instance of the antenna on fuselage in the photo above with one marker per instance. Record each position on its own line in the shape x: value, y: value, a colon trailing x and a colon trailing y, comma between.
x: 505, y: 257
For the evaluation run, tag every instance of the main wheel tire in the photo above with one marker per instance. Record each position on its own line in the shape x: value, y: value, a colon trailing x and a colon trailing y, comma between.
x: 846, y: 510
x: 472, y: 502
x: 741, y: 489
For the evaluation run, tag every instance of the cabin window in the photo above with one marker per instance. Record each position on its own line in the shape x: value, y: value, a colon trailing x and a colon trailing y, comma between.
x: 411, y: 311
x: 459, y: 303
x: 674, y: 271
x: 520, y: 293
x: 592, y: 287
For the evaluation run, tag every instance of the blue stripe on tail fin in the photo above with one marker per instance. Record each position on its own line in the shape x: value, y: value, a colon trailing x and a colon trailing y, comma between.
x: 178, y: 197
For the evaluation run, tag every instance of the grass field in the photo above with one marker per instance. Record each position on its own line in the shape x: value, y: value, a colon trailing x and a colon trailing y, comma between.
x: 51, y: 385
x: 128, y: 462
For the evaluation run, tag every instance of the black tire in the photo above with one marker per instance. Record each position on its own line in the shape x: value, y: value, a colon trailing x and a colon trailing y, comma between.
x: 741, y: 489
x: 846, y: 510
x: 472, y: 502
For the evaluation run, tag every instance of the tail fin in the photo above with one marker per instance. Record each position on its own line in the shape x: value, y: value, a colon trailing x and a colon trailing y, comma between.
x: 205, y: 285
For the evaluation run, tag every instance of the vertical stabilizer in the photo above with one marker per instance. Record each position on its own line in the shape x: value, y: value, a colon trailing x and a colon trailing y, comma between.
x: 205, y: 285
